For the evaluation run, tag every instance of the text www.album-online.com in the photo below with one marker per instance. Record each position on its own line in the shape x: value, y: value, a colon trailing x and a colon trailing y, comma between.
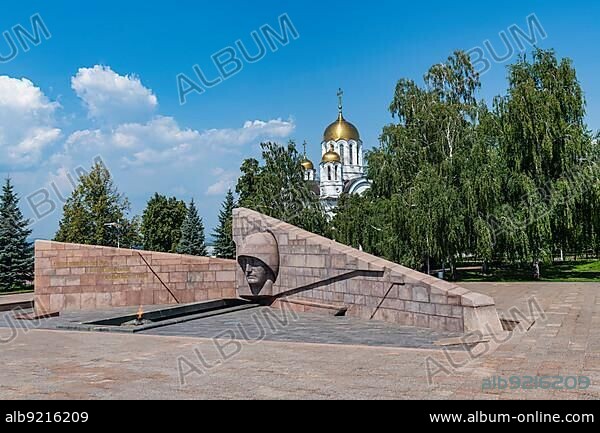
x: 536, y: 417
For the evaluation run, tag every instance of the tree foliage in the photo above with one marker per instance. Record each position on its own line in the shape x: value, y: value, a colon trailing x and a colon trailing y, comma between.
x: 92, y: 206
x: 545, y: 149
x: 192, y: 240
x: 161, y: 223
x: 422, y: 201
x: 277, y: 188
x: 454, y: 178
x: 223, y: 235
x: 247, y: 185
x: 16, y: 253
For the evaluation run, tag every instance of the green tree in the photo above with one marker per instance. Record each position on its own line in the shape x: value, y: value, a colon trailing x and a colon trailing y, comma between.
x: 223, y: 235
x: 133, y: 230
x: 161, y: 223
x: 545, y: 149
x: 586, y: 230
x: 192, y: 240
x: 95, y: 213
x: 16, y: 253
x: 278, y: 189
x: 247, y: 185
x: 430, y: 177
x: 453, y: 178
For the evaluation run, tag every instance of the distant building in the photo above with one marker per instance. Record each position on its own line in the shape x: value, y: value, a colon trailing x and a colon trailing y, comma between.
x: 342, y: 166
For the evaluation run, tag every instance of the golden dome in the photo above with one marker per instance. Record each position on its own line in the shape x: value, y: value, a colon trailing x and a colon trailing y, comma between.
x: 331, y: 156
x: 307, y: 164
x: 341, y: 130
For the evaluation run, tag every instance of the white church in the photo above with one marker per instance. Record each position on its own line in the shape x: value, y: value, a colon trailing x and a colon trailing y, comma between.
x: 342, y: 168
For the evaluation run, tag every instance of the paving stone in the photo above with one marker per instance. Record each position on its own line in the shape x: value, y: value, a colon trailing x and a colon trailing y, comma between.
x: 316, y: 356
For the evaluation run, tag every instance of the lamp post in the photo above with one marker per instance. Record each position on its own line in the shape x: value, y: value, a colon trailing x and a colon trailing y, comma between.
x: 118, y: 227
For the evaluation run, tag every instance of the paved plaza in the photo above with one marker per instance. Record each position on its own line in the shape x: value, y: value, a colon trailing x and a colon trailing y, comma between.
x: 311, y: 356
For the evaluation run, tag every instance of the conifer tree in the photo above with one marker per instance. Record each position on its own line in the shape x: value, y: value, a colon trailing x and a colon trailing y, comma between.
x: 16, y: 253
x: 192, y: 240
x: 224, y: 245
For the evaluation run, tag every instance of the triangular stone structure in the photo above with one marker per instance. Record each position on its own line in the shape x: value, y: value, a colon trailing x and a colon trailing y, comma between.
x: 316, y: 273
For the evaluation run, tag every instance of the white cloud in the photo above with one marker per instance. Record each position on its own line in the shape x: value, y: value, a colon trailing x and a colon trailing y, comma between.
x: 226, y: 180
x: 113, y: 98
x: 27, y: 124
x: 162, y: 141
x: 219, y: 188
x: 21, y: 95
x: 145, y: 152
x: 251, y: 131
x: 160, y: 155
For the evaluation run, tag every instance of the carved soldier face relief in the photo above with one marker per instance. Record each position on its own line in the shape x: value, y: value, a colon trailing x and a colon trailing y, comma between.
x: 258, y: 257
x: 257, y: 273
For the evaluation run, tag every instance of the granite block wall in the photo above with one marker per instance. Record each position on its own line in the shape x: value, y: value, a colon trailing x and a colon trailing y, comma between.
x: 84, y: 277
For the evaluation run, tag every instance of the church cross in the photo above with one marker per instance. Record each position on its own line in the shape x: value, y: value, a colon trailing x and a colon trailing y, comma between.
x: 340, y: 94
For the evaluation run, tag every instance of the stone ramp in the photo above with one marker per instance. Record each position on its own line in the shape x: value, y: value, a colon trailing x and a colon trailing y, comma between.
x: 316, y: 270
x: 11, y: 302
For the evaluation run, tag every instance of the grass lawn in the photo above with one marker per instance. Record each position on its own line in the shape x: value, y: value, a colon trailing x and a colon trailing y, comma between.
x: 580, y: 271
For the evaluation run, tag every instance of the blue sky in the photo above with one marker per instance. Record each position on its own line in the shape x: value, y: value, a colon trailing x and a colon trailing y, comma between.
x: 105, y: 84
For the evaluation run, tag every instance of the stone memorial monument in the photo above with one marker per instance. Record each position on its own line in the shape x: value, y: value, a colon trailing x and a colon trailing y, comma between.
x: 277, y: 264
